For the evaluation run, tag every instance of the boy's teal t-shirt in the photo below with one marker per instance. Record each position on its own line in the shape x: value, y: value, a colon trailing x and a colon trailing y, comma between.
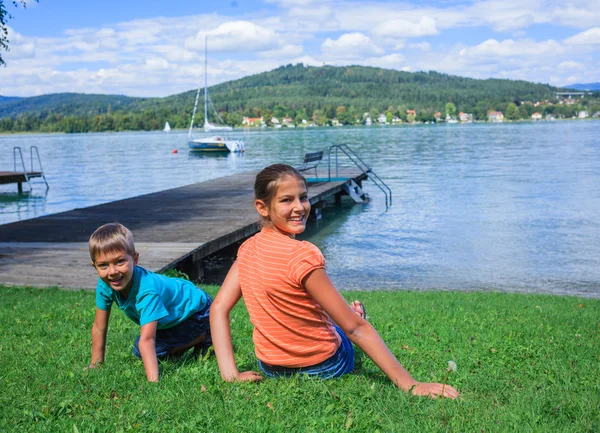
x: 154, y: 297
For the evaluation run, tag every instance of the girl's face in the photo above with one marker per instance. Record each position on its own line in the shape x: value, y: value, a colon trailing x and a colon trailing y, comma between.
x: 289, y: 208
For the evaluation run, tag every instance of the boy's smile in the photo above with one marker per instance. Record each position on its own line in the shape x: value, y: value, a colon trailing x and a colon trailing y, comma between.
x: 116, y: 270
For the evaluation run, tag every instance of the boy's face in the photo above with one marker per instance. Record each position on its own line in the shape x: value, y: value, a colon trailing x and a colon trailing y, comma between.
x: 116, y: 269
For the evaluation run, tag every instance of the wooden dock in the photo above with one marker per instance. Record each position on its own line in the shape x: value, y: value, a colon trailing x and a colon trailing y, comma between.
x: 172, y: 228
x: 18, y: 177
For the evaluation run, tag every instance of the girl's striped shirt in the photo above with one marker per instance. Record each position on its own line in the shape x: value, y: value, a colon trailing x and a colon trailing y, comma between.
x: 290, y: 327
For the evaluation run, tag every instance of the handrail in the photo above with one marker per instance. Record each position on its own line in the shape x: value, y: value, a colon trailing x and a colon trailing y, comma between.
x: 37, y: 152
x: 352, y: 156
x: 15, y: 149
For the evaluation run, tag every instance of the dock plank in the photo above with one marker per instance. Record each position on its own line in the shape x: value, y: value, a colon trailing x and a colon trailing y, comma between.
x: 17, y: 176
x: 168, y: 226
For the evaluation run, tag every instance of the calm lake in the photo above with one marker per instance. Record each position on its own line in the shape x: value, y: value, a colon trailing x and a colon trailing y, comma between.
x: 511, y: 207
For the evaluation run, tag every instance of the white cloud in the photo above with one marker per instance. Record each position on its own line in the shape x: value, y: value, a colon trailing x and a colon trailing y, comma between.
x: 350, y: 46
x: 423, y: 46
x: 20, y: 47
x: 511, y: 48
x: 161, y: 56
x: 391, y: 61
x: 236, y: 36
x: 426, y: 26
x: 286, y: 52
x: 320, y: 13
x: 582, y: 16
x: 571, y: 65
x: 589, y: 37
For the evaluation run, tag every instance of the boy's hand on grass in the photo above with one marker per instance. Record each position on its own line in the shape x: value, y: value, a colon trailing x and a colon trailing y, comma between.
x: 248, y: 376
x: 433, y: 390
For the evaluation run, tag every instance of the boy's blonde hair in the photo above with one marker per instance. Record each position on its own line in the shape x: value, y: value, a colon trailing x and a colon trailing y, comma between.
x: 111, y: 237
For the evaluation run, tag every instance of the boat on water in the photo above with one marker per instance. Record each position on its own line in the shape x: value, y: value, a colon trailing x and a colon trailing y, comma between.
x: 167, y: 127
x: 213, y: 143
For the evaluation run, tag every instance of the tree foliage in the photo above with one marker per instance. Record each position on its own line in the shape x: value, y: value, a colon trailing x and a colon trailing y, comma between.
x: 4, y: 17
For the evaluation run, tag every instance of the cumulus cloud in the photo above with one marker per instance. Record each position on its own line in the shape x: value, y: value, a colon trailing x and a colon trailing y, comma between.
x: 286, y: 52
x: 236, y: 36
x: 426, y: 26
x: 571, y: 65
x: 580, y: 16
x: 168, y: 52
x: 350, y: 46
x: 511, y: 48
x: 422, y: 46
x: 589, y: 37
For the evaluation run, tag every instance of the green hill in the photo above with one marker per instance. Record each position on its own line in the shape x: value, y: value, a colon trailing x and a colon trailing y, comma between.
x: 296, y: 91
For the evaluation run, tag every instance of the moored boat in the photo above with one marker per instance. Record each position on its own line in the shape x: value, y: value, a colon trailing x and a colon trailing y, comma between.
x: 215, y: 144
x: 212, y: 143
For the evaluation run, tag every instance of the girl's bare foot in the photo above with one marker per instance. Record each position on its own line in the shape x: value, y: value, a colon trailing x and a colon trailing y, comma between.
x: 359, y: 309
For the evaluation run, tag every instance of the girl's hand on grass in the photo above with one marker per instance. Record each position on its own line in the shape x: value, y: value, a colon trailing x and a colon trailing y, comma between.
x: 435, y: 389
x: 248, y: 376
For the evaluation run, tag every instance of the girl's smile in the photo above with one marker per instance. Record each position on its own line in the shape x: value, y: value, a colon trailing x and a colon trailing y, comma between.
x: 289, y: 208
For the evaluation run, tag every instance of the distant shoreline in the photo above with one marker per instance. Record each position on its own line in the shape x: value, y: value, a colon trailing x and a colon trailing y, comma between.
x: 236, y: 129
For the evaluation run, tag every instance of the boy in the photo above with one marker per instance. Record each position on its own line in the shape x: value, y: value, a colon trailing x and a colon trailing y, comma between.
x: 172, y: 312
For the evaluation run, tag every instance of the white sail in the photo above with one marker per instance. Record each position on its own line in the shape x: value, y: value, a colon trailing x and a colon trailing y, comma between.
x: 167, y: 127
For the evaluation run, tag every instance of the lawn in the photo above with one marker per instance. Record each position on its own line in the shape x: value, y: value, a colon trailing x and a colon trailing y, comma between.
x: 526, y: 363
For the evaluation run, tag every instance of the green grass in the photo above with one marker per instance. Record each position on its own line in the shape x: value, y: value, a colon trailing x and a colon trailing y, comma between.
x: 525, y: 363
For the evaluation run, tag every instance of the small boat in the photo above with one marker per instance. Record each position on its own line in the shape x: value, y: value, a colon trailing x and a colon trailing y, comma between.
x: 167, y: 127
x: 214, y: 143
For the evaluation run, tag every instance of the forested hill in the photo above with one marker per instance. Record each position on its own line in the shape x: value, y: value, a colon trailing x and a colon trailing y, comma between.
x: 66, y: 104
x: 366, y: 87
x: 296, y: 91
x: 8, y: 98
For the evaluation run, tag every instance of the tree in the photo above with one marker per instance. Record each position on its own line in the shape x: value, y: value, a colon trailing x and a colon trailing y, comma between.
x: 450, y: 109
x: 4, y: 17
x: 512, y: 112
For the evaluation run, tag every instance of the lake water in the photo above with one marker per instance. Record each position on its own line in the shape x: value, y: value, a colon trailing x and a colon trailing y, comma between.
x: 511, y: 207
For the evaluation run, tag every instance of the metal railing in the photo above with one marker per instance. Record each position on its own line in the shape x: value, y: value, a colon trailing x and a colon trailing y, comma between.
x: 17, y: 152
x: 352, y: 156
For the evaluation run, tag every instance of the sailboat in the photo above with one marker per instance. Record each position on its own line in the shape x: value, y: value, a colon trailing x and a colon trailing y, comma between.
x: 214, y: 143
x: 167, y: 127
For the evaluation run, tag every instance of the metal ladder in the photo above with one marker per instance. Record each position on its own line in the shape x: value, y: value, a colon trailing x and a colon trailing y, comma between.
x: 32, y: 173
x: 352, y: 188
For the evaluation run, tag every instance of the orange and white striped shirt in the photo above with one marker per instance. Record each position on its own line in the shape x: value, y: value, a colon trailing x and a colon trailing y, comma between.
x: 290, y: 327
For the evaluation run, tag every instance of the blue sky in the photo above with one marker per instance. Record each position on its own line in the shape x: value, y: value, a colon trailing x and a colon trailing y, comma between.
x: 156, y: 48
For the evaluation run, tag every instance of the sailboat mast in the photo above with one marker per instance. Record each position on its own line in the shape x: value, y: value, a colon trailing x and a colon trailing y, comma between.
x: 194, y: 113
x: 205, y: 80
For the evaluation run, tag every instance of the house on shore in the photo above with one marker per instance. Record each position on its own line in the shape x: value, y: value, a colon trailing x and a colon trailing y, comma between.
x: 536, y: 116
x: 495, y: 116
x: 465, y: 117
x: 252, y: 121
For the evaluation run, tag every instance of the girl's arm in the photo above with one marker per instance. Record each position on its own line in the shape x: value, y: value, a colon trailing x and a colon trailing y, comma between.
x: 147, y: 345
x: 229, y: 294
x: 99, y: 331
x: 362, y: 333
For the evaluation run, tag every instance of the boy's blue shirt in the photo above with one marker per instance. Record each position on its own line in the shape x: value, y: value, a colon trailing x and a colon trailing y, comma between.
x: 154, y: 297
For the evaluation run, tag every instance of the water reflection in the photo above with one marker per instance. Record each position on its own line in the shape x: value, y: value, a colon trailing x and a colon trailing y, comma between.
x: 24, y: 205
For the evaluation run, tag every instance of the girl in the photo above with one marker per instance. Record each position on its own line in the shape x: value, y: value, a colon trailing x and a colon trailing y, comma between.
x: 290, y: 299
